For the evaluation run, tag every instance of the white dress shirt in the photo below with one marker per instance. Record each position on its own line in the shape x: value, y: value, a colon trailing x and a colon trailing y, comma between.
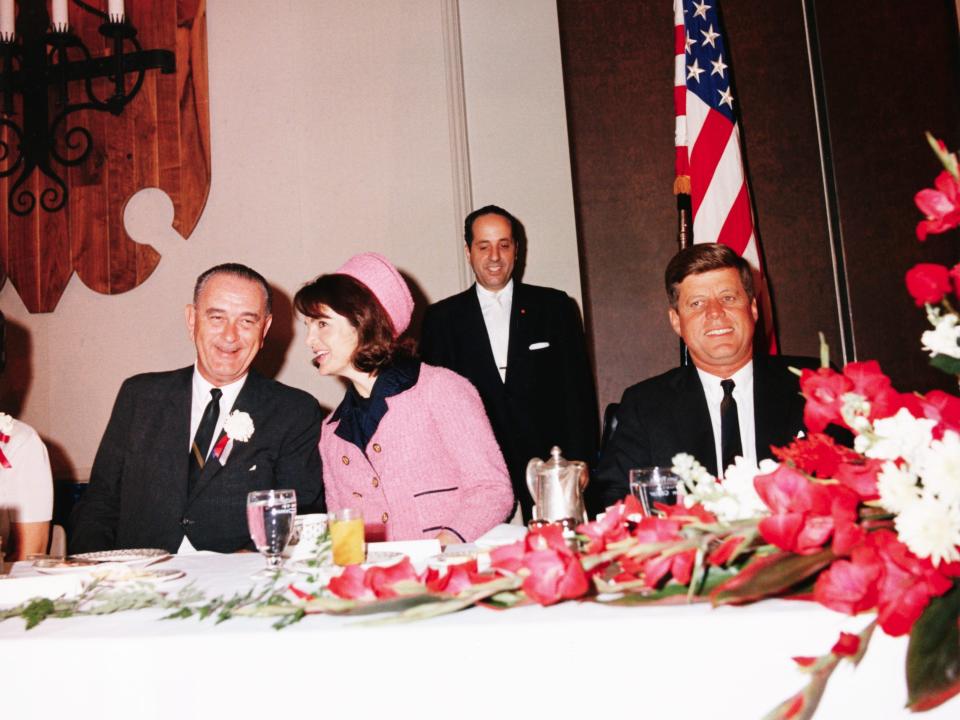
x: 743, y: 394
x: 496, y: 316
x: 26, y: 487
x: 200, y: 397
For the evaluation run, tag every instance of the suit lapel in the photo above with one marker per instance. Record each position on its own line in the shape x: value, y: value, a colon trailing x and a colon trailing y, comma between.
x: 245, y: 402
x: 770, y: 400
x: 693, y: 418
x: 518, y: 328
x: 178, y: 439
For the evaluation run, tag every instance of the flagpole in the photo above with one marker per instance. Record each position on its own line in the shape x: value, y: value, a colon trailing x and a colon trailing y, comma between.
x: 681, y: 188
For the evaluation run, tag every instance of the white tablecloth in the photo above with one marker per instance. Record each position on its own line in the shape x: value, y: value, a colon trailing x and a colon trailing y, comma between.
x: 570, y: 660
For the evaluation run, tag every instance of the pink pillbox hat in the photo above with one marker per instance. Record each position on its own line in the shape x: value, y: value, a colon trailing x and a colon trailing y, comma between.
x: 387, y: 285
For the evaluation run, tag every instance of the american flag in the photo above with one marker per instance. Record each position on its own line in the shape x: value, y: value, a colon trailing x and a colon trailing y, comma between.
x: 709, y: 160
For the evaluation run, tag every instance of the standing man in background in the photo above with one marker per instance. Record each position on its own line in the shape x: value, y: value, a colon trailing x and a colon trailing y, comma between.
x: 523, y: 348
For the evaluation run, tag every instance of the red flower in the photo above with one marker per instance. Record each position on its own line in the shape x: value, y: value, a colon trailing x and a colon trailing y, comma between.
x: 612, y: 527
x: 457, y: 578
x: 861, y: 477
x: 816, y: 455
x: 805, y: 513
x: 941, y: 206
x: 847, y: 644
x: 870, y: 382
x: 350, y: 586
x: 657, y: 567
x: 944, y: 408
x: 850, y: 586
x: 928, y: 283
x: 882, y: 572
x: 723, y: 553
x: 355, y: 583
x: 554, y: 572
x: 804, y: 661
x: 823, y: 388
x: 553, y: 577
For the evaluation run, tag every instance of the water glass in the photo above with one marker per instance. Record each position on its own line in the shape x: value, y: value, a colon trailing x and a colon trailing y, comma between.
x: 653, y: 485
x: 346, y: 536
x: 270, y: 517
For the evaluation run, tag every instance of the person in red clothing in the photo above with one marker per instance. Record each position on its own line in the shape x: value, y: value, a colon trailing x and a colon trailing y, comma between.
x: 410, y: 445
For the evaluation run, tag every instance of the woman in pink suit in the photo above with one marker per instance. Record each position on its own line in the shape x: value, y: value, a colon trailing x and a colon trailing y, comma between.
x: 410, y: 444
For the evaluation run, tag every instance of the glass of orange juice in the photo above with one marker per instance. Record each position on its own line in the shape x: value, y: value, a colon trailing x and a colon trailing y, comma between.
x: 346, y: 535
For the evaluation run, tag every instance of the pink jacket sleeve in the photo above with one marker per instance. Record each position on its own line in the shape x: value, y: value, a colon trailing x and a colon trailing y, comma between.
x: 466, y: 432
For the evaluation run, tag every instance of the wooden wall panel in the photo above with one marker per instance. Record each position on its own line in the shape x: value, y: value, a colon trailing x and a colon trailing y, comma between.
x: 890, y: 71
x: 162, y: 139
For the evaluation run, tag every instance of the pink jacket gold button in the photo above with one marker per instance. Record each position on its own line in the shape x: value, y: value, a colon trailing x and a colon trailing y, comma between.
x: 376, y: 447
x: 384, y: 518
x: 376, y: 481
x: 346, y: 460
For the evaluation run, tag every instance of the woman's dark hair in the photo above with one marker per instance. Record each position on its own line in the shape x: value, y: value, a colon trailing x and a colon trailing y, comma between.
x: 377, y: 348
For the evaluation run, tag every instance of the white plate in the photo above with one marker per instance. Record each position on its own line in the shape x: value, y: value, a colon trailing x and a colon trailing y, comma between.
x: 63, y: 567
x: 145, y: 556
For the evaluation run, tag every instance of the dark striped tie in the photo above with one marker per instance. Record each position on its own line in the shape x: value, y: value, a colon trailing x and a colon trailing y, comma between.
x: 201, y: 441
x: 730, y: 445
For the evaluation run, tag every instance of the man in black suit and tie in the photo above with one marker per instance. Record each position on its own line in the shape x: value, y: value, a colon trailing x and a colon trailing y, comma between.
x: 151, y: 486
x: 728, y: 403
x: 523, y: 348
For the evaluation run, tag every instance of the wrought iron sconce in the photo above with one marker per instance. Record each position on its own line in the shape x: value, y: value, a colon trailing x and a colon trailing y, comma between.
x: 41, y: 61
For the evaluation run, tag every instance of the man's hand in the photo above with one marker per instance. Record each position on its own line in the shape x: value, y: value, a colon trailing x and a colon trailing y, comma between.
x: 448, y: 538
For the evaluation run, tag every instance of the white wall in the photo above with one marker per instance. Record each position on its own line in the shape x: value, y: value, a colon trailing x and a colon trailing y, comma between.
x: 333, y: 132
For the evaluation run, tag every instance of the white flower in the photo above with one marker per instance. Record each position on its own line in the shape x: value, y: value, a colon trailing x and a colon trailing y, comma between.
x: 900, y: 436
x: 939, y: 466
x: 855, y: 411
x: 944, y: 339
x: 238, y: 426
x: 6, y: 424
x: 897, y: 487
x: 733, y: 499
x: 688, y: 468
x: 931, y: 529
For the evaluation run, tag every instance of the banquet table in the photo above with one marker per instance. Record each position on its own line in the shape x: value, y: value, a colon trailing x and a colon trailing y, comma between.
x: 578, y: 659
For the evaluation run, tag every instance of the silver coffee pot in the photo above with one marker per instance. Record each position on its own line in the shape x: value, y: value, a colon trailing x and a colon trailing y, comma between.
x: 557, y: 488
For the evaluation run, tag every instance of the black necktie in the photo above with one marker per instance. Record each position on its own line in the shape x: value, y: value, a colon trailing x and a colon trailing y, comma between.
x: 201, y: 441
x: 729, y: 427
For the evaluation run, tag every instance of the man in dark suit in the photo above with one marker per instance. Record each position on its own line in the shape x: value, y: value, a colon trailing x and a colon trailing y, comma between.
x: 151, y: 486
x: 523, y: 348
x: 729, y: 402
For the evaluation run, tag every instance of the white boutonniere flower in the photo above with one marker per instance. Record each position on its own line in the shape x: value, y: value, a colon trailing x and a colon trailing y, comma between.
x: 239, y: 426
x: 6, y: 424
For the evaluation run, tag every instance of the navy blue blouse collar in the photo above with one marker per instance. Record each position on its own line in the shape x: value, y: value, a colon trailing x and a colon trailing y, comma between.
x: 360, y: 417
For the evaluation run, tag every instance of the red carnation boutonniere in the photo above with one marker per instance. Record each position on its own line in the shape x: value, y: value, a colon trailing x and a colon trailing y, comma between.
x: 6, y: 427
x: 238, y: 427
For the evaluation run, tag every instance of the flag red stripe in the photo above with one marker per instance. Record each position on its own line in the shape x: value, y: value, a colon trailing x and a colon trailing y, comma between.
x: 705, y: 155
x: 738, y: 226
x: 683, y: 168
x: 680, y: 99
x: 679, y: 40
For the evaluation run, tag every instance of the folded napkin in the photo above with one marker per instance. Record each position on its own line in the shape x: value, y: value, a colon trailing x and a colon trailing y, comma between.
x: 502, y: 534
x: 416, y: 550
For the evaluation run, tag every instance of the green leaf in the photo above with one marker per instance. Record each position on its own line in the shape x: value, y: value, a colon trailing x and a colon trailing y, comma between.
x: 672, y: 593
x: 37, y: 610
x: 947, y: 364
x: 933, y: 656
x: 770, y: 576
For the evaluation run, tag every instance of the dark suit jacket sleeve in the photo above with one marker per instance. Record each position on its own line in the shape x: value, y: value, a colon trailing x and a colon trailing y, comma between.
x: 298, y: 463
x: 582, y: 421
x: 628, y: 447
x: 94, y: 519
